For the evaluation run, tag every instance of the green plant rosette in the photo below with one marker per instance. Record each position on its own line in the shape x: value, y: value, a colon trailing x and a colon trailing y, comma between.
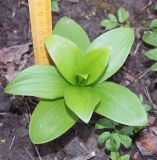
x: 76, y: 86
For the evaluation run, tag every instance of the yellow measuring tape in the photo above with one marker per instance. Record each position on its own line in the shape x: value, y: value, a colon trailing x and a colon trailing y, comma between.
x: 41, y: 25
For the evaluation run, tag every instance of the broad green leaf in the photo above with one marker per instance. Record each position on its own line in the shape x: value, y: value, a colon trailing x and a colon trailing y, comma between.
x: 105, y: 123
x: 103, y: 137
x: 50, y: 120
x: 153, y: 24
x: 82, y: 101
x: 150, y: 37
x: 125, y: 140
x: 152, y: 54
x: 119, y: 41
x: 123, y: 15
x: 65, y: 55
x: 120, y: 104
x: 93, y: 63
x: 108, y: 24
x: 154, y: 67
x: 69, y: 29
x: 39, y: 80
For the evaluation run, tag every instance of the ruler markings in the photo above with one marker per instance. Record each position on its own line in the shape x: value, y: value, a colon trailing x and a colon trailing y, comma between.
x: 41, y: 25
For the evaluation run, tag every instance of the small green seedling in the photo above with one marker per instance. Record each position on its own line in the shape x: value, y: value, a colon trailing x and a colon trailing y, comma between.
x: 55, y: 7
x: 76, y: 87
x: 150, y: 38
x: 114, y: 137
x: 117, y: 135
x: 114, y: 21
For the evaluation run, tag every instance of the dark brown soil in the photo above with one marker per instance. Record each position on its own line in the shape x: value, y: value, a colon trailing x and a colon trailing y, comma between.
x: 80, y: 142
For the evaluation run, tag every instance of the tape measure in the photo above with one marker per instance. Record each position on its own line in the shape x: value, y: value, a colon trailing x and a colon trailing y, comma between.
x: 41, y: 26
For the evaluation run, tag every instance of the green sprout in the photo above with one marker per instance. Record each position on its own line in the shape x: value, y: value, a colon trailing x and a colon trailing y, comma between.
x: 116, y: 21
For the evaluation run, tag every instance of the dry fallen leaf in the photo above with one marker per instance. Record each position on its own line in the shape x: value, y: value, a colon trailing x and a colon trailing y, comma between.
x: 14, y: 53
x: 147, y: 144
x: 14, y: 59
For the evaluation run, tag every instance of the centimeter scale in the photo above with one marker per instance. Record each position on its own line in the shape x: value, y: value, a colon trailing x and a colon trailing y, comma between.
x: 41, y: 26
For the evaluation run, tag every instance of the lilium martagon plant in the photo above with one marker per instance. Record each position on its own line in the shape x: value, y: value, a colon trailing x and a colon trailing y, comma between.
x: 76, y: 86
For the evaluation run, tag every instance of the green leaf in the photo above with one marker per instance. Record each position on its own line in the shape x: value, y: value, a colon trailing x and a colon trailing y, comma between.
x: 93, y: 63
x: 70, y: 63
x: 127, y: 130
x: 82, y: 101
x: 155, y: 6
x: 113, y: 18
x: 110, y: 145
x: 125, y: 157
x: 154, y: 67
x: 125, y: 140
x: 119, y: 41
x: 65, y: 55
x: 103, y: 137
x: 108, y: 24
x: 150, y: 37
x: 153, y: 24
x: 152, y: 54
x: 50, y: 120
x: 105, y: 123
x: 113, y: 143
x: 140, y: 97
x: 55, y: 7
x: 117, y: 140
x: 120, y: 104
x: 137, y: 129
x: 39, y: 80
x: 114, y: 156
x: 147, y: 107
x: 69, y: 29
x: 123, y: 15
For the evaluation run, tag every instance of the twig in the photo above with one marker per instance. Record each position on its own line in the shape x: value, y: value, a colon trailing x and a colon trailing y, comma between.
x: 37, y: 151
x: 137, y: 48
x: 85, y: 157
x: 143, y: 74
x: 30, y: 55
x: 12, y: 142
x: 29, y: 111
x: 146, y: 6
x: 29, y: 154
x: 149, y: 98
x: 4, y: 113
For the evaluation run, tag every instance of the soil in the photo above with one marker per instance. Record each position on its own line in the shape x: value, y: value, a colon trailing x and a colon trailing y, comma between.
x: 80, y: 142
